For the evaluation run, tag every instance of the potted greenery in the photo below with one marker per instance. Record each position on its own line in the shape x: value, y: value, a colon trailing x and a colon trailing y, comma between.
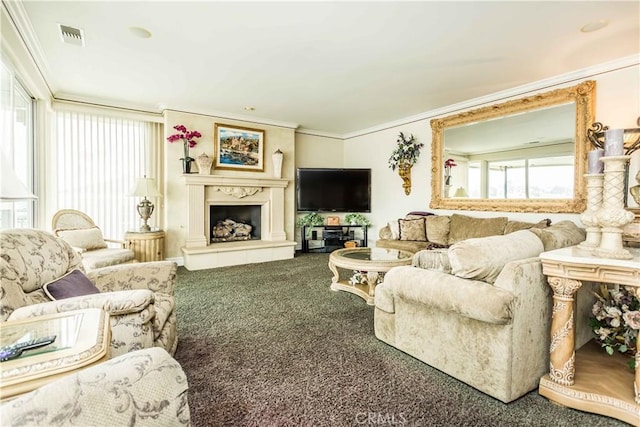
x: 356, y: 219
x: 312, y: 219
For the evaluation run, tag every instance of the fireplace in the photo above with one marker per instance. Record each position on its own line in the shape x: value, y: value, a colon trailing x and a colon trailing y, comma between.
x: 226, y: 219
x: 260, y: 201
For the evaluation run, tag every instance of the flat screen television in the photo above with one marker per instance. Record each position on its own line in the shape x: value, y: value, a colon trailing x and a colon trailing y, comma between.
x: 333, y: 190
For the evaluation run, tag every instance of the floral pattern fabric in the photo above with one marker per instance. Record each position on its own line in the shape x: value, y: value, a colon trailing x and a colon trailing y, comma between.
x: 31, y: 258
x: 142, y: 388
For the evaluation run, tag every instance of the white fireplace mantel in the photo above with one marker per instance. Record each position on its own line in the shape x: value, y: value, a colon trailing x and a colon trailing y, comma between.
x: 204, y: 191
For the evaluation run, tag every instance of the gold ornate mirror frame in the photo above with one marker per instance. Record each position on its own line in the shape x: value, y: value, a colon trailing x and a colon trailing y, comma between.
x: 583, y: 95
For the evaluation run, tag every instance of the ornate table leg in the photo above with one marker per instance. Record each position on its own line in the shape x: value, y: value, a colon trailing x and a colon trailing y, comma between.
x: 372, y: 281
x: 334, y: 270
x: 562, y: 348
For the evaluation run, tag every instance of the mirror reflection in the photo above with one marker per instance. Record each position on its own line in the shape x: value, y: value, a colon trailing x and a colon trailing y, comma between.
x: 522, y: 155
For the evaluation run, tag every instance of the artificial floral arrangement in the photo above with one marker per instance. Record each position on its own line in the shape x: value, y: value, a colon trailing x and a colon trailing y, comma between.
x: 448, y: 164
x: 406, y: 152
x: 187, y: 137
x: 356, y: 219
x: 616, y: 320
x: 358, y: 278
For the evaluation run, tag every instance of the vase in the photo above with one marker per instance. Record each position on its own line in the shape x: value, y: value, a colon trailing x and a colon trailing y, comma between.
x: 613, y: 216
x: 186, y: 165
x: 405, y: 174
x: 277, y: 158
x: 204, y: 163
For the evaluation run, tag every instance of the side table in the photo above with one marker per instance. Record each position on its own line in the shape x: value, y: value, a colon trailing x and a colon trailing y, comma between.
x: 146, y: 245
x: 82, y: 339
x: 589, y: 379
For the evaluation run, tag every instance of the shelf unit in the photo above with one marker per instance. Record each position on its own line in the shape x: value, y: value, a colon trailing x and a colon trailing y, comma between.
x: 333, y: 236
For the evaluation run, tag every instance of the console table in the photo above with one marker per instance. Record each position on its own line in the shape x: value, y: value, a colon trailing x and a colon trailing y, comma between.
x: 333, y: 236
x: 589, y: 379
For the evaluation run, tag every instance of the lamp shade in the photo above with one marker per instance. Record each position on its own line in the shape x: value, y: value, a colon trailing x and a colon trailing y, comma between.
x: 145, y: 187
x: 461, y: 192
x: 11, y: 188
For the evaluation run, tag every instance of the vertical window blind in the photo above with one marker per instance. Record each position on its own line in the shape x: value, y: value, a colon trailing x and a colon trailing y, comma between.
x: 99, y: 158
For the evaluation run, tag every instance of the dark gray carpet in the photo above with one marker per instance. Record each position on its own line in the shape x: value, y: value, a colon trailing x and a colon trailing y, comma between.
x: 270, y: 345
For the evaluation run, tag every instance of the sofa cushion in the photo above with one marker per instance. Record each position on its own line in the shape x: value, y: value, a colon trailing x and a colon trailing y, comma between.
x: 466, y: 227
x: 413, y: 229
x: 484, y: 258
x: 438, y: 229
x: 86, y: 238
x: 521, y: 225
x: 434, y: 259
x: 72, y: 284
x: 384, y: 298
x: 468, y: 298
x: 560, y: 235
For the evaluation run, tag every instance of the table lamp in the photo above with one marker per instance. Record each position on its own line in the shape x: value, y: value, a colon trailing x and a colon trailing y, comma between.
x: 145, y: 187
x: 11, y: 187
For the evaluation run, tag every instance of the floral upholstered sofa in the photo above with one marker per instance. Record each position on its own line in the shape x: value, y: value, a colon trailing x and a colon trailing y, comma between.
x: 424, y: 230
x: 138, y: 297
x: 480, y: 310
x: 142, y: 388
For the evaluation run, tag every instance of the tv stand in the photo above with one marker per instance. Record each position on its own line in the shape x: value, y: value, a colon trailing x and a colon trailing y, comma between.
x: 332, y: 236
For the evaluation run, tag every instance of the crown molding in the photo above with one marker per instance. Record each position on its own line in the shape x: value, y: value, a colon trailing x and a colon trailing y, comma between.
x: 314, y: 132
x: 545, y: 84
x: 233, y: 116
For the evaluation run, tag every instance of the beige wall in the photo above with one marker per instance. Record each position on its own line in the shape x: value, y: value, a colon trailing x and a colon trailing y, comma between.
x: 174, y: 200
x: 617, y: 105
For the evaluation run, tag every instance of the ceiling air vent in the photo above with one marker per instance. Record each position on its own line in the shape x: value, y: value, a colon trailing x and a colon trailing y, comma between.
x: 72, y: 35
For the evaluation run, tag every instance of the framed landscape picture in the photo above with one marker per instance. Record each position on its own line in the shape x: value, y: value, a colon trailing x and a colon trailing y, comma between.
x: 238, y: 148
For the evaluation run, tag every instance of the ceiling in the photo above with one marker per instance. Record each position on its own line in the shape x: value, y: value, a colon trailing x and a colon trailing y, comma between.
x: 335, y: 67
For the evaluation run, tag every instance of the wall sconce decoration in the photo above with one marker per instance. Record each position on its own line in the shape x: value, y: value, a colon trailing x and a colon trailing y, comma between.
x: 404, y: 157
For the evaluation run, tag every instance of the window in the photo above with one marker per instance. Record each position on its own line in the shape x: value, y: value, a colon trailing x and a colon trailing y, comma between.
x: 16, y: 145
x: 99, y: 158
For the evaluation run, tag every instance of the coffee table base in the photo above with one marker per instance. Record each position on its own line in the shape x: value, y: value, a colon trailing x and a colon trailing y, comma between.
x: 366, y: 291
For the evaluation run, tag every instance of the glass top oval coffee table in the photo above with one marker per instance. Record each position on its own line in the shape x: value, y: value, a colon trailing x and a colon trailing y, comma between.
x: 368, y: 265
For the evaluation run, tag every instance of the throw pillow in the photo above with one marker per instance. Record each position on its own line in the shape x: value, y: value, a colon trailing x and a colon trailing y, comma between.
x: 560, y: 235
x: 466, y: 227
x: 72, y: 284
x: 484, y: 258
x: 438, y: 229
x: 412, y: 229
x: 86, y: 238
x: 521, y: 225
x: 432, y: 259
x: 394, y: 226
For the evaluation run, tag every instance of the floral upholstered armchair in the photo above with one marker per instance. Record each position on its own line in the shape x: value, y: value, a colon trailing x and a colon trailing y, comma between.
x: 142, y: 388
x: 139, y: 297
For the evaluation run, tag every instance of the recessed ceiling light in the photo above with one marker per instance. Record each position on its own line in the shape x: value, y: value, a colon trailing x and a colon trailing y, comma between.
x: 143, y: 33
x: 249, y: 108
x: 594, y: 26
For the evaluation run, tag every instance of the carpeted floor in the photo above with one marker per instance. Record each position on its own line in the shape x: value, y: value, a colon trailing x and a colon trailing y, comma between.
x: 270, y: 345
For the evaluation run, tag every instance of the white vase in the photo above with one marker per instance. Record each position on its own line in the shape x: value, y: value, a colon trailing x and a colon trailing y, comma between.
x: 590, y: 215
x: 277, y: 158
x: 204, y: 163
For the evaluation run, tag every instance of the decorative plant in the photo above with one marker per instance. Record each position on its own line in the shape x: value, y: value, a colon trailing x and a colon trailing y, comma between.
x: 616, y: 320
x: 406, y: 152
x: 187, y: 138
x: 311, y: 219
x: 357, y: 219
x: 448, y: 164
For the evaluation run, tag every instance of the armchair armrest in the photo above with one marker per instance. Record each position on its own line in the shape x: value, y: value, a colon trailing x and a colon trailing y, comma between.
x: 158, y: 276
x: 114, y: 303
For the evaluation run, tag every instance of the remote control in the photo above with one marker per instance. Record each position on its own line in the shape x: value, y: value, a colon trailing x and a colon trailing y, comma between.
x: 15, y: 350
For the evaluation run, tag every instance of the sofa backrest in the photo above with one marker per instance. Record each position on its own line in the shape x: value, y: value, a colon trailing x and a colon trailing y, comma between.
x: 28, y: 260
